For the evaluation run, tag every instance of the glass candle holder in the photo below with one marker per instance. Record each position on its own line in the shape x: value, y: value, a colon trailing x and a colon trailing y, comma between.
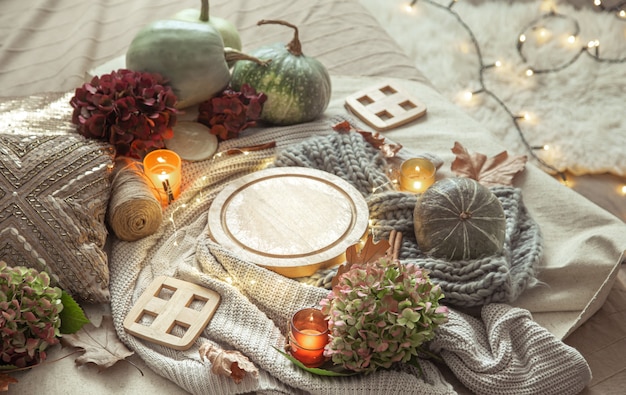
x: 417, y: 175
x: 308, y: 335
x: 164, y: 170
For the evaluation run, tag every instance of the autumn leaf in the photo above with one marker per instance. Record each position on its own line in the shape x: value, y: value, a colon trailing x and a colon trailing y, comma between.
x: 356, y: 253
x: 495, y: 171
x: 101, y: 344
x: 229, y: 363
x: 5, y: 381
x: 374, y: 139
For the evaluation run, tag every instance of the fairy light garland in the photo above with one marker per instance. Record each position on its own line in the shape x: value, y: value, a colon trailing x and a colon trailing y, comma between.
x: 592, y: 49
x: 617, y: 9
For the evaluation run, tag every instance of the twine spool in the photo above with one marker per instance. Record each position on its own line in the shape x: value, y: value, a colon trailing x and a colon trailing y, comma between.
x: 134, y: 212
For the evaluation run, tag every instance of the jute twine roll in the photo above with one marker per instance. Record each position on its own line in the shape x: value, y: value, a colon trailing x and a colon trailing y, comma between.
x: 134, y: 212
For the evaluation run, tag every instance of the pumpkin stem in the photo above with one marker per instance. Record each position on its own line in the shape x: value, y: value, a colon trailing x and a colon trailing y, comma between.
x: 233, y: 55
x: 204, y: 10
x: 294, y: 47
x: 465, y: 215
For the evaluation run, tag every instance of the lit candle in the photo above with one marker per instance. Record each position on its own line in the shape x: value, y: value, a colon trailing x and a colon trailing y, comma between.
x: 163, y: 168
x: 417, y: 175
x: 308, y: 336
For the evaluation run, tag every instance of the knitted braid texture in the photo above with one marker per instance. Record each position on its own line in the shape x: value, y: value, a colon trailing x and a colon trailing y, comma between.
x: 497, y: 278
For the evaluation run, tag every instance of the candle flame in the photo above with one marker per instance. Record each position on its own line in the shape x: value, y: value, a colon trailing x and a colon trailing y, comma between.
x: 417, y: 185
x: 160, y: 159
x: 163, y: 176
x: 417, y: 168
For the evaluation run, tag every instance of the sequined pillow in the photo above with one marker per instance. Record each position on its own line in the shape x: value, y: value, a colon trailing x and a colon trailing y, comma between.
x: 54, y: 191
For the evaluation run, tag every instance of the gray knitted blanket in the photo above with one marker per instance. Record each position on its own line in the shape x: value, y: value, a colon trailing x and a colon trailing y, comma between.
x: 500, y: 278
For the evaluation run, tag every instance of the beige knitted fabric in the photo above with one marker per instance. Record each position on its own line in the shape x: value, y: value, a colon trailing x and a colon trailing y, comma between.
x: 506, y: 352
x: 255, y: 303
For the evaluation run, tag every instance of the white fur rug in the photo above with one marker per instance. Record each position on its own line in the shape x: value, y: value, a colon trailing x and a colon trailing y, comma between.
x: 579, y: 112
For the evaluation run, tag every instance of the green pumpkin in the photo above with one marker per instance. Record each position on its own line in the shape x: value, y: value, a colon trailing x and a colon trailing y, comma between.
x: 189, y: 55
x: 298, y: 87
x: 459, y: 219
x: 227, y: 30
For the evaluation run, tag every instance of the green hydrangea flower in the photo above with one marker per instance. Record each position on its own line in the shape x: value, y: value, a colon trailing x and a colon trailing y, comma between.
x: 380, y: 313
x: 30, y: 320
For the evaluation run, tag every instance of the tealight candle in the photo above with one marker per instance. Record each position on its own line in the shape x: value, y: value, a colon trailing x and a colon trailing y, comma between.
x: 308, y: 335
x: 164, y: 169
x: 417, y: 175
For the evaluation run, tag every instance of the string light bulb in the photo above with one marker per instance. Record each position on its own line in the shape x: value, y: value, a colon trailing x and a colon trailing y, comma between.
x: 468, y: 95
x: 624, y: 190
x: 571, y: 39
x: 621, y: 14
x: 409, y: 7
x: 593, y: 43
x: 522, y: 38
x: 529, y: 72
x: 497, y: 63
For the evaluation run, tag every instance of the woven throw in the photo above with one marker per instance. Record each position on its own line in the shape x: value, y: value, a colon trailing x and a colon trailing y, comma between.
x: 497, y: 278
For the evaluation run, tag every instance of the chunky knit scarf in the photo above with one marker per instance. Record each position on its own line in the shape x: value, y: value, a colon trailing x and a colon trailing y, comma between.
x: 500, y: 278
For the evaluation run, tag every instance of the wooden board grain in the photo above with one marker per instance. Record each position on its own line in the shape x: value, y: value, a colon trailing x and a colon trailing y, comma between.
x: 293, y: 220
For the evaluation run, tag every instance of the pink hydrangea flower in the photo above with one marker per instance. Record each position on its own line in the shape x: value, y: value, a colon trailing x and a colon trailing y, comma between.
x: 381, y: 313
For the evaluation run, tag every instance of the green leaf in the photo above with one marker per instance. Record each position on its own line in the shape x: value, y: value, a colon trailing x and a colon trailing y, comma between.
x: 72, y: 316
x: 317, y: 371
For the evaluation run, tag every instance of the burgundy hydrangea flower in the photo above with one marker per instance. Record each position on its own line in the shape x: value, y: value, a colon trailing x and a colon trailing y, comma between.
x: 134, y: 111
x: 230, y: 112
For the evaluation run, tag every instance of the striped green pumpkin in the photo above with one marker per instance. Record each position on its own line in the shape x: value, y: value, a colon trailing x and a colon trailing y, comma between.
x: 459, y: 219
x: 298, y: 87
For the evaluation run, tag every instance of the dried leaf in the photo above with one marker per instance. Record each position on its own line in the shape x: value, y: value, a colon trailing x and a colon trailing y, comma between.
x: 369, y: 252
x: 230, y: 363
x: 495, y: 171
x: 5, y: 381
x: 374, y: 139
x: 342, y: 127
x: 101, y: 344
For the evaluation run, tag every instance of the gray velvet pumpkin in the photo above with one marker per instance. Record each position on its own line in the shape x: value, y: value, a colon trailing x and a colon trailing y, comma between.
x: 459, y: 219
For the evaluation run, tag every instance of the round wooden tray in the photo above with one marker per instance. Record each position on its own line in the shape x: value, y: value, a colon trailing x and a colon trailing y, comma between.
x: 293, y: 220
